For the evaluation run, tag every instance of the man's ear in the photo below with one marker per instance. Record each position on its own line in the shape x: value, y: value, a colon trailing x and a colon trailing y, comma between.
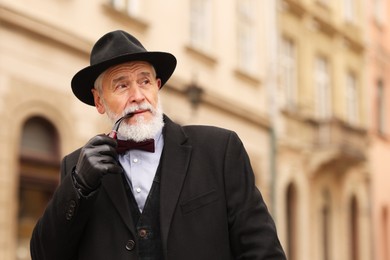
x: 98, y: 101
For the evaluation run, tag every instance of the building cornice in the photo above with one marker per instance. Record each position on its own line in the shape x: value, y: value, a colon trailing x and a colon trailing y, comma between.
x: 33, y: 26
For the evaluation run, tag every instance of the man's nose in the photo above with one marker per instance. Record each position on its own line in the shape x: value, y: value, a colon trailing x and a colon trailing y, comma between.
x: 136, y: 94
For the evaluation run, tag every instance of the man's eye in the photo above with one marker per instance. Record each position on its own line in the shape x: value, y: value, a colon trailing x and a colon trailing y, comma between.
x: 145, y: 81
x: 120, y: 86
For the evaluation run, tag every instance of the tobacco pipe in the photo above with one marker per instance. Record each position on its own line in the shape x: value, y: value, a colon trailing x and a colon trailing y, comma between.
x: 114, y: 131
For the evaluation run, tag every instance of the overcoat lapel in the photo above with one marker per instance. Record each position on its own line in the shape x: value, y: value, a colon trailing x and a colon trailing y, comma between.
x: 113, y: 184
x: 174, y: 164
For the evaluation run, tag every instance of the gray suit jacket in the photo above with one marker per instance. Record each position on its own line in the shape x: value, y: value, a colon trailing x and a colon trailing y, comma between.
x: 210, y: 207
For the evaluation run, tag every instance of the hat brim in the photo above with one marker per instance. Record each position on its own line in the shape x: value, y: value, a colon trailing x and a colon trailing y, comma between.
x: 164, y: 63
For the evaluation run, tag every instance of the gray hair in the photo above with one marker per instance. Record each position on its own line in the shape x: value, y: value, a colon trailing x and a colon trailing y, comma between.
x: 98, y: 85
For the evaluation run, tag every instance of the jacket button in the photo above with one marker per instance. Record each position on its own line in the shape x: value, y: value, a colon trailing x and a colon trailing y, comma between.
x: 72, y: 204
x: 142, y: 233
x: 130, y: 245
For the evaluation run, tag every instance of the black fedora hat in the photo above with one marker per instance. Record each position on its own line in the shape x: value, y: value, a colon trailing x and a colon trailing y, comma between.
x: 114, y: 48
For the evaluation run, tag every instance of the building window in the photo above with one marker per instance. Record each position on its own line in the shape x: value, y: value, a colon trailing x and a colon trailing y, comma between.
x: 381, y: 107
x: 379, y: 11
x: 350, y: 10
x: 247, y: 36
x: 385, y: 227
x: 322, y: 88
x: 130, y: 7
x: 39, y: 171
x: 292, y: 223
x: 201, y: 25
x: 354, y: 229
x: 288, y: 73
x: 352, y: 99
x: 326, y: 225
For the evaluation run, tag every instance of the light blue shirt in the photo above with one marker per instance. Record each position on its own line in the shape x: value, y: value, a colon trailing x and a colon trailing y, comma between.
x: 140, y: 168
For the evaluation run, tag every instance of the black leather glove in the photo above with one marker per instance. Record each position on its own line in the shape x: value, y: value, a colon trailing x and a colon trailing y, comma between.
x: 97, y: 158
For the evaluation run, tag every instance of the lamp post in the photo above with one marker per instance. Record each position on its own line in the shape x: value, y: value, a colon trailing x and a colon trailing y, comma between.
x: 194, y: 94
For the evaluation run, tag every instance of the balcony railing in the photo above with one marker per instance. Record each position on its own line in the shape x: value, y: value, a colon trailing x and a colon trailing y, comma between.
x: 331, y: 142
x: 335, y: 133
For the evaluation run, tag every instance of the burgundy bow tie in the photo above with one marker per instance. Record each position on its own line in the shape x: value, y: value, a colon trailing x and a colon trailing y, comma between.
x: 125, y: 145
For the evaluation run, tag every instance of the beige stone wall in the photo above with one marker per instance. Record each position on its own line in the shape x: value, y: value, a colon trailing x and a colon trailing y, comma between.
x: 378, y: 42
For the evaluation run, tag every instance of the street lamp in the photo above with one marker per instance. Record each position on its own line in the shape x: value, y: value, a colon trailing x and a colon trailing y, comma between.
x: 194, y: 94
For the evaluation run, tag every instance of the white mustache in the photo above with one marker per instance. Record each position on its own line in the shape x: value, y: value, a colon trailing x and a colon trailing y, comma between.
x: 143, y: 106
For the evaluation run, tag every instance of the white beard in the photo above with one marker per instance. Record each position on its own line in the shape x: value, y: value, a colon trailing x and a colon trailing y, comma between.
x: 141, y: 130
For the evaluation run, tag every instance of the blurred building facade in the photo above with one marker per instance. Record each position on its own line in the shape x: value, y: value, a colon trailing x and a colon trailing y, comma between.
x: 378, y: 83
x: 289, y: 76
x: 44, y: 43
x: 323, y: 189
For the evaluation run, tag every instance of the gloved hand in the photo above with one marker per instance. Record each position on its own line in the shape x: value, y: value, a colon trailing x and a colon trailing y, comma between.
x: 97, y: 158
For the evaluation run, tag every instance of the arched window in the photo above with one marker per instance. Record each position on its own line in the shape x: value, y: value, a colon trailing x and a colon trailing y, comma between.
x: 354, y: 228
x: 292, y: 223
x: 385, y: 233
x: 39, y: 174
x: 326, y: 224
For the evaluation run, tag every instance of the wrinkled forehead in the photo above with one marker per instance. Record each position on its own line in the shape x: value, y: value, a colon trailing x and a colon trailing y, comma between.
x: 130, y: 69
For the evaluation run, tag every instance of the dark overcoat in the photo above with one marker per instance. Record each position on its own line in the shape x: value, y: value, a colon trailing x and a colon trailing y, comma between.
x: 210, y: 207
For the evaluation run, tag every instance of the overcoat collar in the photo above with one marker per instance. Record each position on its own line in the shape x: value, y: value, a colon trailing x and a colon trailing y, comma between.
x: 174, y: 164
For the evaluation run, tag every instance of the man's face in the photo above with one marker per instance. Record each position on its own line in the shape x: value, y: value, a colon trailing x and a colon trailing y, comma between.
x: 125, y: 87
